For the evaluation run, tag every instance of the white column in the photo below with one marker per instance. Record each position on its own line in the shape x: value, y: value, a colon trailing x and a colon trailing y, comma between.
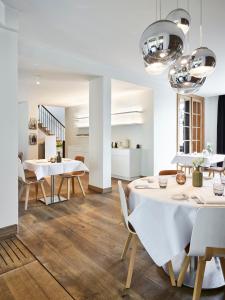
x: 8, y: 123
x: 100, y: 134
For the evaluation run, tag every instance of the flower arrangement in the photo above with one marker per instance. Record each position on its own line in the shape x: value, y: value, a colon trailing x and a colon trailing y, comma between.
x: 209, y: 147
x: 197, y: 163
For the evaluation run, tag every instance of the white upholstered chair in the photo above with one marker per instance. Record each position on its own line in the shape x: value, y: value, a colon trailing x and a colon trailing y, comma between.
x: 27, y: 182
x: 207, y: 241
x: 133, y: 240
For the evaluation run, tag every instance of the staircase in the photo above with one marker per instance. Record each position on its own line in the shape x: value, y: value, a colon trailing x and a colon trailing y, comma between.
x: 50, y: 125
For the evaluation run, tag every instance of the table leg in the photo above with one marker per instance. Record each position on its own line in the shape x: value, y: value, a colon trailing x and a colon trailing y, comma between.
x: 213, y: 277
x: 53, y: 198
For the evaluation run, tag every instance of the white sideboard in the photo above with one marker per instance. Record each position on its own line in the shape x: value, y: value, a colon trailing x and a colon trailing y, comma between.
x: 126, y: 163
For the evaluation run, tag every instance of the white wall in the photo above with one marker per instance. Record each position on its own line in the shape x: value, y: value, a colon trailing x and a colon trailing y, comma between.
x: 164, y: 127
x: 23, y: 113
x: 142, y: 134
x: 8, y: 128
x: 71, y: 129
x: 211, y: 106
x: 131, y: 132
x: 27, y: 110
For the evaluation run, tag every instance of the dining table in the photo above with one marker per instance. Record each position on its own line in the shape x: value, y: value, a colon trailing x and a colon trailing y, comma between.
x: 44, y: 168
x: 163, y: 219
x: 189, y: 158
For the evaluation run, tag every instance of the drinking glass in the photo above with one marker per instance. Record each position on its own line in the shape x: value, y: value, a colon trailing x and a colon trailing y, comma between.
x: 218, y: 189
x: 163, y: 182
x: 222, y: 178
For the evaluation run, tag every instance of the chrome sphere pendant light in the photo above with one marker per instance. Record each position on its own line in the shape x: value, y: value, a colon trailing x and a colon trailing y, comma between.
x: 203, y: 59
x: 181, y: 18
x: 161, y: 44
x: 180, y: 78
x: 203, y: 62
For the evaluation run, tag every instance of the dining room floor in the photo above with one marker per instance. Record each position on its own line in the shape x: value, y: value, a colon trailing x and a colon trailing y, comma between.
x: 77, y: 246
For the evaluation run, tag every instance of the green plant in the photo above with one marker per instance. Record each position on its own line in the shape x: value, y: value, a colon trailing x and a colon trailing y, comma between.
x: 197, y: 163
x: 59, y: 144
x: 209, y: 148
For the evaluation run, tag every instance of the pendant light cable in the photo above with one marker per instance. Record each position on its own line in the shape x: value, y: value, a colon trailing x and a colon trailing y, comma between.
x: 160, y: 9
x: 200, y: 33
x: 177, y: 3
x: 156, y: 9
x: 188, y: 34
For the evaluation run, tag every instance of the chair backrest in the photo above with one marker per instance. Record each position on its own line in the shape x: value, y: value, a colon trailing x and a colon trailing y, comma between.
x: 168, y: 172
x: 123, y: 203
x: 80, y: 158
x: 21, y: 173
x: 208, y: 230
x: 223, y: 166
x: 20, y: 155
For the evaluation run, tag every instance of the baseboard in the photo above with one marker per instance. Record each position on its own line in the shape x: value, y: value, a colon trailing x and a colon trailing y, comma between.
x: 99, y: 190
x: 8, y: 231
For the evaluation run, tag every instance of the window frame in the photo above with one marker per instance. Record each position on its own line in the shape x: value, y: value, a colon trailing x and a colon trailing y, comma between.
x: 192, y: 99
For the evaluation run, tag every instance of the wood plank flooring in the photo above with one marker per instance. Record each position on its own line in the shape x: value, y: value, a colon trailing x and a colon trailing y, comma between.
x: 80, y: 242
x: 13, y: 254
x: 31, y: 282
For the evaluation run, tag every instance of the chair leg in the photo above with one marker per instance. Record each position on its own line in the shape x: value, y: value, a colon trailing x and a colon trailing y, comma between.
x: 73, y: 185
x: 131, y: 263
x: 68, y: 187
x: 81, y: 186
x: 126, y: 246
x: 222, y: 263
x: 43, y: 191
x: 199, y: 278
x: 21, y: 191
x: 36, y: 190
x: 60, y: 186
x: 171, y: 273
x: 27, y: 195
x: 183, y: 271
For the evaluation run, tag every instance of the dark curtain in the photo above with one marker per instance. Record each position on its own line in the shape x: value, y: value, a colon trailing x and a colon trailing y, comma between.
x: 221, y: 125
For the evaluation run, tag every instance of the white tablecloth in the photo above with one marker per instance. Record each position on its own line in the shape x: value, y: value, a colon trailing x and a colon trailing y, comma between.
x: 187, y: 159
x: 162, y: 224
x: 43, y: 168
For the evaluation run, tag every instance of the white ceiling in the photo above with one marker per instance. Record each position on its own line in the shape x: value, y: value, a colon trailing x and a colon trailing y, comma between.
x: 63, y: 89
x: 108, y: 31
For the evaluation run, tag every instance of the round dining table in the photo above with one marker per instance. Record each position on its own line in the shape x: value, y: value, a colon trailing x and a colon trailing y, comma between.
x: 163, y: 220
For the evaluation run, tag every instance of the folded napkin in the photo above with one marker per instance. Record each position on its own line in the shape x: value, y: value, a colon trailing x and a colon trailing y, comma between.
x: 217, y: 200
x: 207, y: 197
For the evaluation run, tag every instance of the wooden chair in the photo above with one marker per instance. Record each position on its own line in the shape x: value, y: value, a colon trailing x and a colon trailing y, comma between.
x: 70, y: 178
x: 184, y: 168
x: 27, y: 182
x: 133, y: 240
x: 207, y: 241
x: 168, y: 172
x: 220, y: 170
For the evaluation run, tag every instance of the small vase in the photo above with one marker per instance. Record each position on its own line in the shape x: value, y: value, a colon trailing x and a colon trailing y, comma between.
x: 197, y: 178
x: 59, y: 158
x: 180, y: 178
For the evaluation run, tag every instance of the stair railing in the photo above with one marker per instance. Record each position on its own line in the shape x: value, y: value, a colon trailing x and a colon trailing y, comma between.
x: 51, y: 123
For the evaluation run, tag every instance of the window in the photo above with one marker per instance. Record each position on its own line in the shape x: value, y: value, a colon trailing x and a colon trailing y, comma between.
x: 190, y: 123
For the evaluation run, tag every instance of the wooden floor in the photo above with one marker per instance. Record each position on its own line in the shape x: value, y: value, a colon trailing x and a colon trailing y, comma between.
x: 77, y: 245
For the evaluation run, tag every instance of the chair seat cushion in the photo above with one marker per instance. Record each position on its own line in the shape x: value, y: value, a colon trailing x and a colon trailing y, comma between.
x: 73, y: 174
x: 31, y: 180
x: 216, y: 169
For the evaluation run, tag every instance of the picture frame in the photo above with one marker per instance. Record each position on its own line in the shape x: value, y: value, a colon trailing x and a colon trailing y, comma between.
x: 32, y: 124
x: 33, y: 139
